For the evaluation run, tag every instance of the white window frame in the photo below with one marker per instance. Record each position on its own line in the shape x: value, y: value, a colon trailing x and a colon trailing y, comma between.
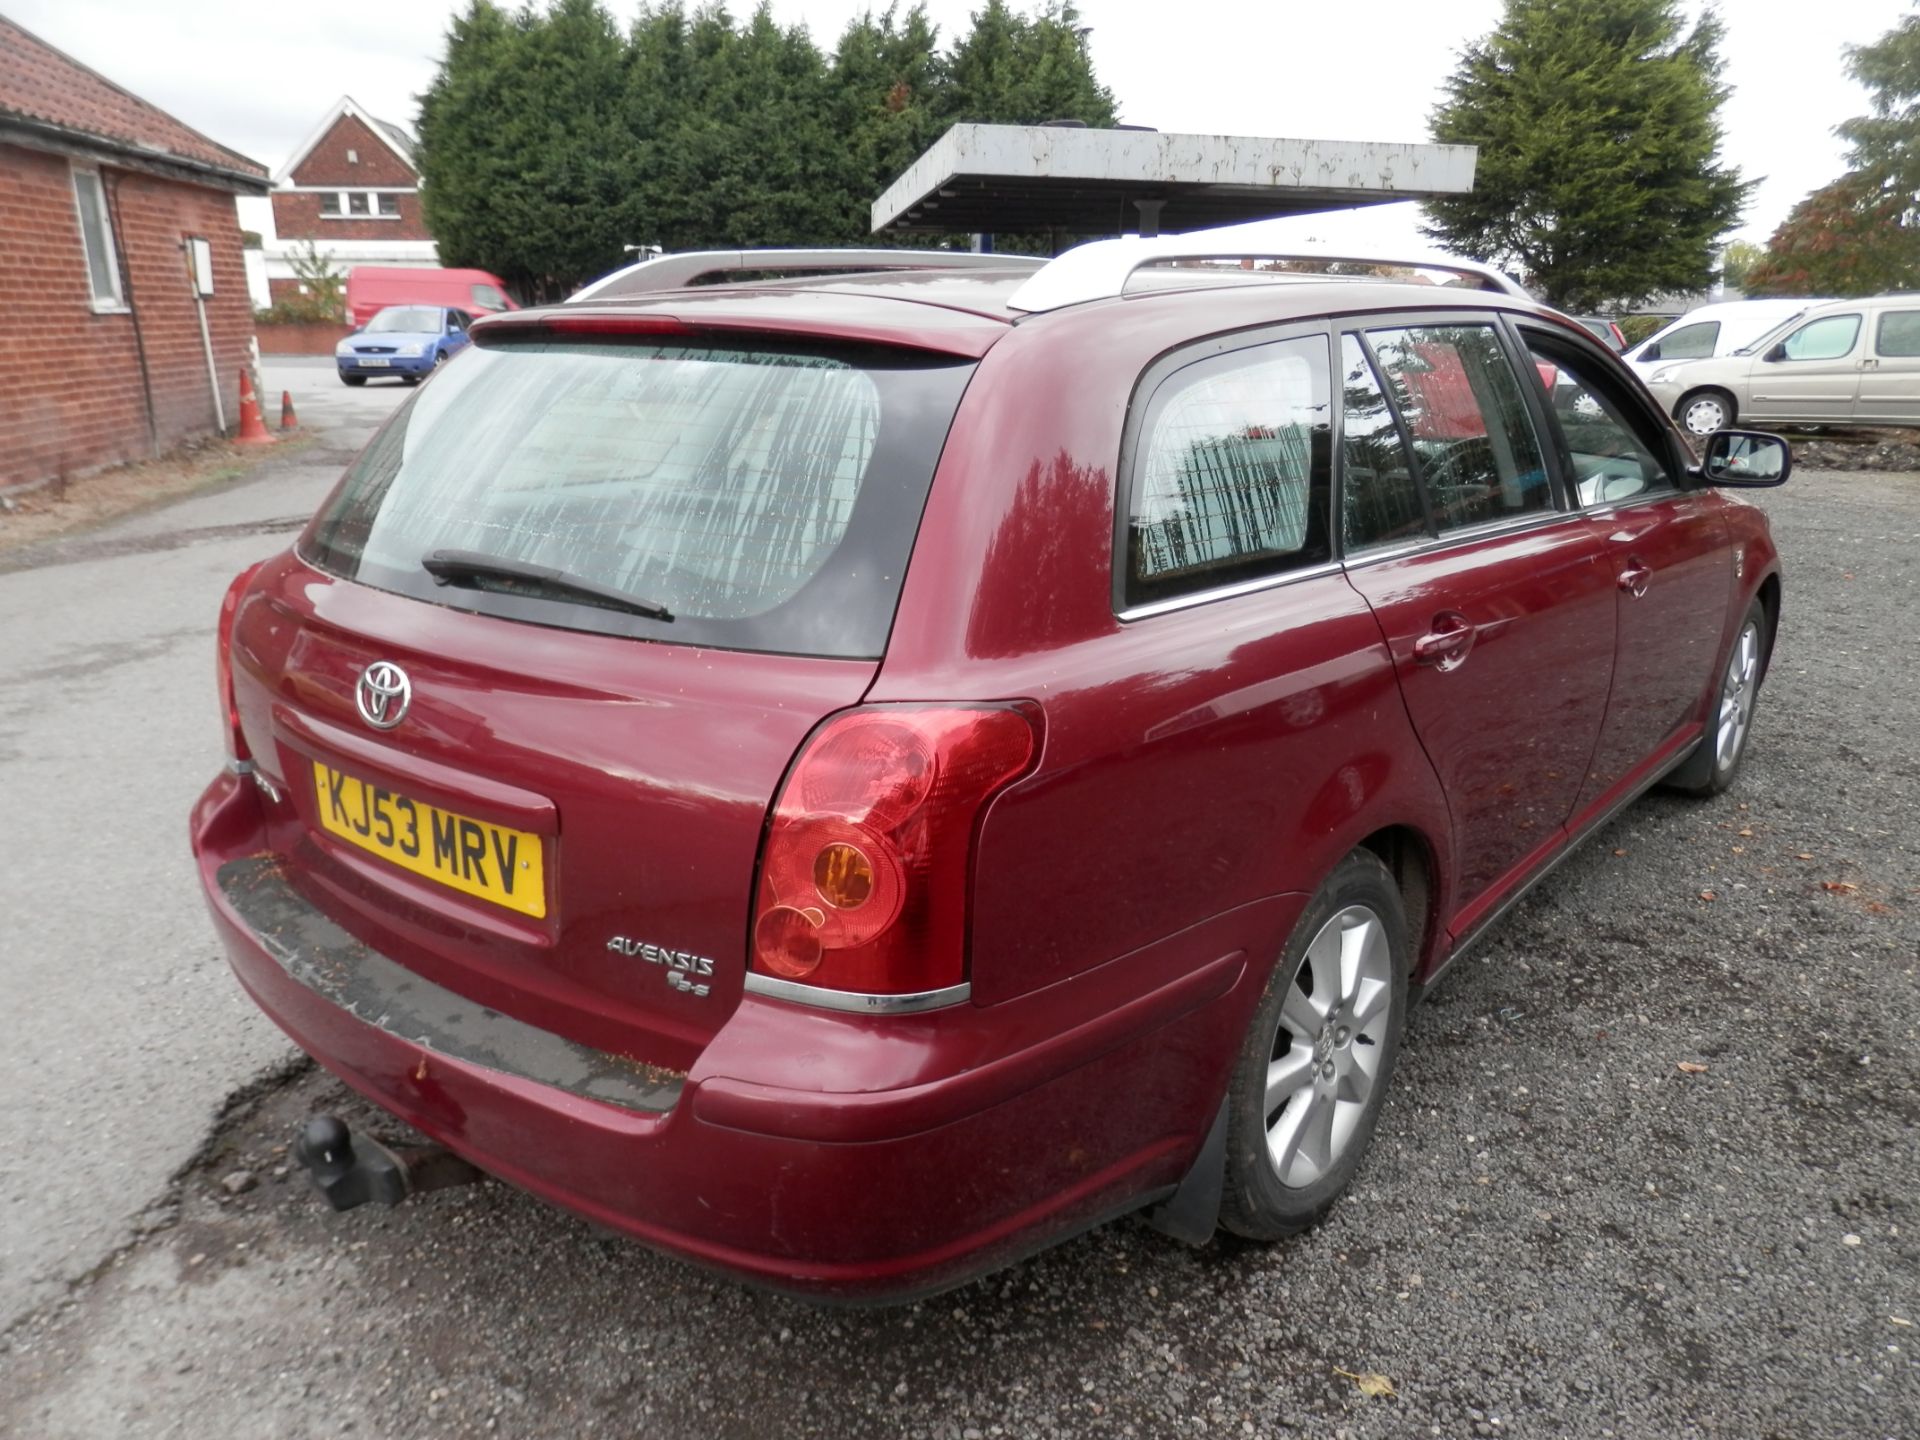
x: 116, y: 304
x: 372, y: 194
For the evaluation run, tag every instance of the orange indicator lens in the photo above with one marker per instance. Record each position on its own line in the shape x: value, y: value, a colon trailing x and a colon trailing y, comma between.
x: 843, y: 876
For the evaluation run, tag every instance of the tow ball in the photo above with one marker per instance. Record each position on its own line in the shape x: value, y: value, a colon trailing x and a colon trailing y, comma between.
x: 350, y: 1172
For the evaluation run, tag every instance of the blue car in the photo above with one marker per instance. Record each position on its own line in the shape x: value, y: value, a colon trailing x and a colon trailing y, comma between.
x: 410, y: 341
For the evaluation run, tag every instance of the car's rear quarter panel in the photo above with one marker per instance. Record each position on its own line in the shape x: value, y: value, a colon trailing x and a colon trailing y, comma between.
x: 1194, y: 761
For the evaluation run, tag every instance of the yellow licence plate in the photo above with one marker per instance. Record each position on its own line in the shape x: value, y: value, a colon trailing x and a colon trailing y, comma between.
x: 490, y: 861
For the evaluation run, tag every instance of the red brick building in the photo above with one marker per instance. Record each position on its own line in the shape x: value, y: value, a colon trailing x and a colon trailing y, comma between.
x: 351, y: 189
x: 103, y: 355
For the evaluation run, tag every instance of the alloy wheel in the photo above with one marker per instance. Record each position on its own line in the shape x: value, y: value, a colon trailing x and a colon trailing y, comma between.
x: 1736, y: 697
x: 1326, y: 1051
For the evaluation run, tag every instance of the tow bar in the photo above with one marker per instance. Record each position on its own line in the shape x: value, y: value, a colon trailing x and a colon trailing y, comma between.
x: 348, y: 1177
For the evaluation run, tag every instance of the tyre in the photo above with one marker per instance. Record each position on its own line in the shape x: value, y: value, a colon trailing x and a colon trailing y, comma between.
x: 409, y: 380
x: 1313, y: 1071
x: 1716, y: 761
x: 353, y: 379
x: 1702, y: 412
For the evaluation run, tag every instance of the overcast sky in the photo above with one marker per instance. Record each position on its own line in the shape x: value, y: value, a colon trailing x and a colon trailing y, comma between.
x: 257, y: 76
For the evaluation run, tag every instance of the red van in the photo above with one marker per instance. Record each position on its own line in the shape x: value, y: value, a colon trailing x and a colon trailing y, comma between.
x: 371, y: 288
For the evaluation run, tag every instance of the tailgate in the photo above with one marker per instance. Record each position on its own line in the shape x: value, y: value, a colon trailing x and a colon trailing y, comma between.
x: 561, y: 826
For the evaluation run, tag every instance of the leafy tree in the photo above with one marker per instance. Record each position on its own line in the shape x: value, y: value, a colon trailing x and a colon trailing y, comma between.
x: 1010, y: 70
x: 1858, y: 235
x: 550, y: 142
x: 517, y: 172
x: 889, y: 85
x: 1598, y: 130
x: 1847, y: 238
x: 1737, y: 262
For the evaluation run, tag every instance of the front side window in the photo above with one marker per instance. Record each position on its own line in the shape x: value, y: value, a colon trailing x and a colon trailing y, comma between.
x: 1230, y: 475
x: 766, y: 497
x: 1474, y: 442
x: 1829, y: 338
x: 1897, y: 334
x: 1379, y: 499
x: 96, y: 239
x: 1612, y: 455
x: 1689, y: 342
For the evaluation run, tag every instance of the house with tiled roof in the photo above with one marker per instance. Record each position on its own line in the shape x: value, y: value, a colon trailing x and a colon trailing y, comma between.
x: 351, y: 190
x: 123, y: 291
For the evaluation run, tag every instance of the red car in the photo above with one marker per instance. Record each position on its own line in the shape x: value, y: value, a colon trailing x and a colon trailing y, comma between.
x: 849, y: 779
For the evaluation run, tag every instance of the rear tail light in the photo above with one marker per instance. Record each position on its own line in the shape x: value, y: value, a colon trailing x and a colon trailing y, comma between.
x: 864, y: 875
x: 229, y: 607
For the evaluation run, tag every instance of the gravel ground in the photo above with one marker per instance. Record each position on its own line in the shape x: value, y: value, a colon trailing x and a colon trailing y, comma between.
x: 1560, y: 1232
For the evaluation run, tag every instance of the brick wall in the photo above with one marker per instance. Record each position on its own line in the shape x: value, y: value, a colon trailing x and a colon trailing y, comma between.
x: 296, y: 216
x: 71, y: 397
x: 327, y: 163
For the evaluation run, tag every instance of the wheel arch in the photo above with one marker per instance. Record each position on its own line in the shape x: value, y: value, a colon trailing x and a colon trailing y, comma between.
x: 1413, y: 862
x: 1768, y: 594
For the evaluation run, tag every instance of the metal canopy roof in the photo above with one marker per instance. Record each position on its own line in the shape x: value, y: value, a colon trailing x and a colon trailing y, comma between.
x: 1016, y: 178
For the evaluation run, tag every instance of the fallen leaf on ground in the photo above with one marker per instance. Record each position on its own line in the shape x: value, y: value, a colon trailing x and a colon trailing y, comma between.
x: 1839, y: 887
x: 1692, y: 1067
x: 1746, y: 830
x: 1874, y: 907
x: 1803, y: 855
x: 1372, y: 1385
x: 1619, y: 852
x: 1898, y: 1321
x: 1708, y: 895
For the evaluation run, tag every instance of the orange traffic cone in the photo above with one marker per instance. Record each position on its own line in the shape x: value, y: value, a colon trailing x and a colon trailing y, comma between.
x: 253, y: 430
x: 288, y: 420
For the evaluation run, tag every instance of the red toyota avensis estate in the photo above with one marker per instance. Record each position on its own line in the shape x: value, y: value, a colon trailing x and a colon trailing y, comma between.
x: 849, y: 777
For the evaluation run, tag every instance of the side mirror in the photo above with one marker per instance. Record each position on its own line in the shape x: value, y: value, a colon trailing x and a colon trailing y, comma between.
x: 1751, y: 459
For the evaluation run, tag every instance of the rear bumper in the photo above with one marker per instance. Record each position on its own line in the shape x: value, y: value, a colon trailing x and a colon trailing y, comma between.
x: 848, y: 1194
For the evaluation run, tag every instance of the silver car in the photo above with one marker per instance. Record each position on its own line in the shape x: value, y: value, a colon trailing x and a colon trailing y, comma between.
x: 1844, y: 362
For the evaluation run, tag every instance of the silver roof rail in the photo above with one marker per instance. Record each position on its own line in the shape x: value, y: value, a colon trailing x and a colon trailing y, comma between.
x: 1100, y: 269
x: 693, y: 267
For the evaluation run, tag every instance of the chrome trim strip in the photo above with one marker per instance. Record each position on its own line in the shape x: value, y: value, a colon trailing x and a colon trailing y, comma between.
x: 1488, y: 530
x: 240, y: 767
x: 857, y: 1002
x: 1228, y: 592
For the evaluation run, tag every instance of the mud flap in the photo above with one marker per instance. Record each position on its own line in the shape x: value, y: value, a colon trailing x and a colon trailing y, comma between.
x: 1192, y: 1211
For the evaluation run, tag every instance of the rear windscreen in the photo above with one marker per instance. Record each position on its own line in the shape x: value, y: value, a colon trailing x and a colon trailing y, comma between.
x: 765, y: 496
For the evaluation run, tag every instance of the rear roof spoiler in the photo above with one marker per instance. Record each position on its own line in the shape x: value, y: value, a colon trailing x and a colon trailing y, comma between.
x: 707, y: 267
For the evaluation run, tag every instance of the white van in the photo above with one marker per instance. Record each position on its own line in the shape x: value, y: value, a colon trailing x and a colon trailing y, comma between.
x: 1712, y: 330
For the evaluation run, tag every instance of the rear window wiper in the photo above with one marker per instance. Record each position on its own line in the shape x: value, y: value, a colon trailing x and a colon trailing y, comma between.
x: 516, y: 577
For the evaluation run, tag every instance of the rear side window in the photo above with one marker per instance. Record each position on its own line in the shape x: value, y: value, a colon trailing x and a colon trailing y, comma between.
x: 1379, y: 499
x: 766, y: 497
x: 1472, y: 437
x: 1689, y: 342
x: 1231, y: 472
x: 1898, y: 333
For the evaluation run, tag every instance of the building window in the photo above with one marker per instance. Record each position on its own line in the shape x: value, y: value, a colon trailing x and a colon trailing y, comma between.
x: 389, y: 205
x: 96, y: 238
x: 359, y: 205
x: 353, y: 157
x: 333, y: 202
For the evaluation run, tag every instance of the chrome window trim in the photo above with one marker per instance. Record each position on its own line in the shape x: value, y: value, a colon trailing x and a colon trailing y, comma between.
x: 1229, y: 592
x: 1535, y: 520
x: 855, y: 1001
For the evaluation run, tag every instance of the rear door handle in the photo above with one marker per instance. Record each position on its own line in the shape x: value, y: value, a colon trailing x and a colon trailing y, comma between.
x: 1446, y: 644
x: 1635, y: 578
